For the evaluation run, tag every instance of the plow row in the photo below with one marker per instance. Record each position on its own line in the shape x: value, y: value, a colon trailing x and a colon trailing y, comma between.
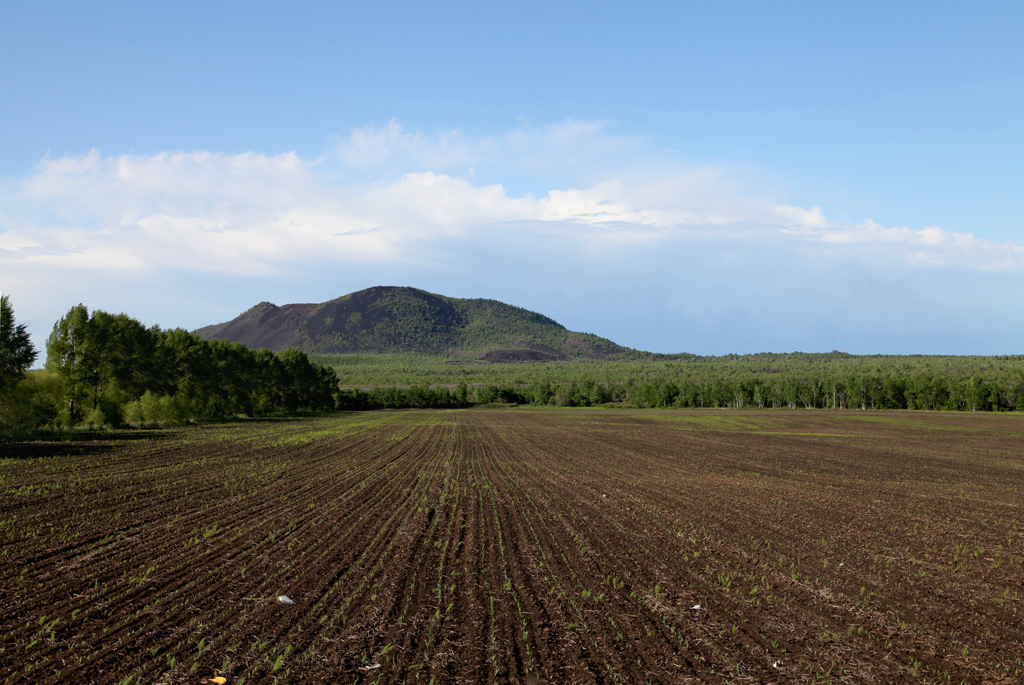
x: 521, y: 546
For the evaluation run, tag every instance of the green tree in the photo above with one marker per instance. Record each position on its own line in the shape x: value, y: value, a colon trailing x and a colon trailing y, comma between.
x: 126, y: 356
x: 32, y: 403
x: 105, y: 361
x: 70, y: 356
x: 188, y: 369
x: 16, y: 350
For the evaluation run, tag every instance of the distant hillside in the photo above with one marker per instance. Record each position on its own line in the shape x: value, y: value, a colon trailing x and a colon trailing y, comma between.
x: 390, y: 320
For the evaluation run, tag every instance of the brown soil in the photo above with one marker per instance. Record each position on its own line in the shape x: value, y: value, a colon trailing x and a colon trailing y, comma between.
x: 522, y: 546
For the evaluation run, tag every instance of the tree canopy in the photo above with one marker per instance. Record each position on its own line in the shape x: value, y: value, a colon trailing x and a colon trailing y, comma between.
x: 112, y: 370
x: 16, y: 350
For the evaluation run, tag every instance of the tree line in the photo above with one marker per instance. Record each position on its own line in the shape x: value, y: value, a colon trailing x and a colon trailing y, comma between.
x: 378, y: 370
x: 914, y: 390
x: 109, y: 369
x: 793, y: 391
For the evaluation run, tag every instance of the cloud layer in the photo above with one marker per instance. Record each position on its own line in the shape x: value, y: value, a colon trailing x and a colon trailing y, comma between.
x: 252, y: 212
x: 385, y: 199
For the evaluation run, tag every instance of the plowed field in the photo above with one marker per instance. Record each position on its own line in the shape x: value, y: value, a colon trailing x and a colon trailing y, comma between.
x: 521, y: 546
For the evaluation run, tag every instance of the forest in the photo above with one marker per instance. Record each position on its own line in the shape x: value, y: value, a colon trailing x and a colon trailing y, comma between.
x: 110, y: 370
x: 832, y: 380
x: 858, y: 391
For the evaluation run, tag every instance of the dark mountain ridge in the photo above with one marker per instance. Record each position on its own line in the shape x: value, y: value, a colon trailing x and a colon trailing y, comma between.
x: 394, y: 320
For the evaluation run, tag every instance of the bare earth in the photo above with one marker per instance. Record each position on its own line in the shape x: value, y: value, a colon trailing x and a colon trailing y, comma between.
x: 521, y: 546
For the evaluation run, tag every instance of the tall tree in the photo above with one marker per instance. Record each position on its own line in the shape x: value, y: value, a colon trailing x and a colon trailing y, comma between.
x: 16, y: 350
x: 125, y: 363
x: 70, y: 355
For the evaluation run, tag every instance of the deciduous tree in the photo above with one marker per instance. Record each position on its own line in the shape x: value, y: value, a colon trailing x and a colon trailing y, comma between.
x: 69, y: 355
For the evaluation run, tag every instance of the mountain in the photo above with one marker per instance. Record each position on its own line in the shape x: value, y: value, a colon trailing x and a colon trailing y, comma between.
x: 407, y: 320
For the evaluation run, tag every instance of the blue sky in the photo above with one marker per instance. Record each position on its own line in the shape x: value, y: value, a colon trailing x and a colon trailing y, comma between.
x: 700, y: 177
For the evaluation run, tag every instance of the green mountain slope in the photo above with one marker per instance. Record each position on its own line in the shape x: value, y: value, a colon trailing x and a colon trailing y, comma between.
x: 397, y: 320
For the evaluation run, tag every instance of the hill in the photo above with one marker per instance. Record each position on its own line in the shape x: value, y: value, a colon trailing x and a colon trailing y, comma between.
x: 402, y: 320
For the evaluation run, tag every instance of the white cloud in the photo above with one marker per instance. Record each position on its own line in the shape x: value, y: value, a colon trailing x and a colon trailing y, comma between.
x: 91, y: 258
x: 567, y: 142
x: 813, y: 217
x: 424, y: 204
x: 570, y: 148
x: 931, y: 245
x: 391, y: 147
x: 151, y: 217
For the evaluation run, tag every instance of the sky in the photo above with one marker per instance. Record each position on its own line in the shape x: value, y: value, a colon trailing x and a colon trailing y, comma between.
x: 713, y: 178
